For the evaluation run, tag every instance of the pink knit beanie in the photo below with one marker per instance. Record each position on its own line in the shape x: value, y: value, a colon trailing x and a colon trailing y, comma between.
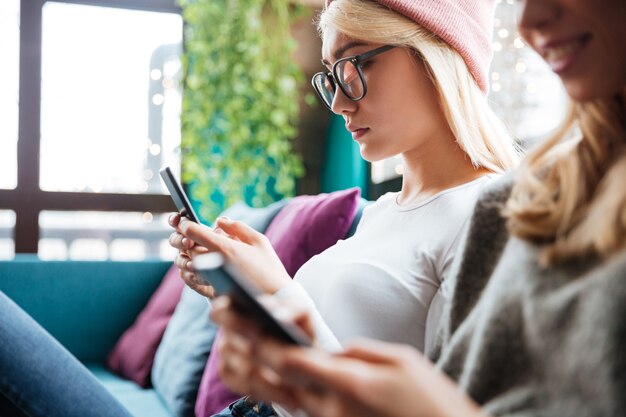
x: 466, y: 25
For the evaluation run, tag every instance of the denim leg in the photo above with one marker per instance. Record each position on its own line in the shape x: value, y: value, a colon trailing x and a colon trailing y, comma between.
x: 41, y: 378
x: 8, y: 409
x: 247, y: 407
x: 224, y: 413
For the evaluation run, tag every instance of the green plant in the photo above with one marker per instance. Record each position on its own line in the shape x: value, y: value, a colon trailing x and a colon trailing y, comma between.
x: 240, y: 102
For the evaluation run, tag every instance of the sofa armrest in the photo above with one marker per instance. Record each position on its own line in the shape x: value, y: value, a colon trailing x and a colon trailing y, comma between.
x: 85, y: 305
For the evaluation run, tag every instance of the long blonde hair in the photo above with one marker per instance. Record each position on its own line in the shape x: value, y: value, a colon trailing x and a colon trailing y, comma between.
x: 479, y: 133
x: 570, y: 193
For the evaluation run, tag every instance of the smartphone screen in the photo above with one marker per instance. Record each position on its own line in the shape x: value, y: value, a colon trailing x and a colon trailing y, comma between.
x: 227, y: 280
x: 178, y: 194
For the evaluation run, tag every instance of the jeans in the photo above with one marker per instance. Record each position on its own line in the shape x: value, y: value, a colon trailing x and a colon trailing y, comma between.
x: 40, y: 378
x: 247, y: 407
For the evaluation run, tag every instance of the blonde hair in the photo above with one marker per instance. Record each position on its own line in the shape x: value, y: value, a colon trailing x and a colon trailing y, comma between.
x: 478, y: 132
x: 569, y: 193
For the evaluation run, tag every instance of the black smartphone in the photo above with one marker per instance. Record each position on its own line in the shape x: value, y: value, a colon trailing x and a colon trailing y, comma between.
x: 227, y: 280
x: 178, y: 194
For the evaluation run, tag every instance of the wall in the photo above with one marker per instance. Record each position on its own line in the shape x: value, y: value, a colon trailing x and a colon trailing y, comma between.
x: 343, y: 166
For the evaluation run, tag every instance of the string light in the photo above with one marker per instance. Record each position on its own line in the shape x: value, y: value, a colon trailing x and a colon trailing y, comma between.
x: 148, y: 174
x: 155, y: 74
x: 168, y: 83
x: 518, y: 79
x: 155, y: 149
x: 158, y: 99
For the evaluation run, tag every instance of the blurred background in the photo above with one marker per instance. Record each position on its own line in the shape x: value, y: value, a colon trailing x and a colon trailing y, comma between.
x: 96, y: 93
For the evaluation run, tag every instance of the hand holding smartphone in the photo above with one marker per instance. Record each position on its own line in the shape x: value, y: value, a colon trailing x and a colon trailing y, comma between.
x: 178, y: 195
x: 227, y: 280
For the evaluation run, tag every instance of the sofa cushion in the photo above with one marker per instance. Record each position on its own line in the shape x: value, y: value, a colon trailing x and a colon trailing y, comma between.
x: 310, y: 224
x: 182, y: 354
x: 85, y: 305
x: 133, y: 355
x: 305, y: 227
x: 139, y: 401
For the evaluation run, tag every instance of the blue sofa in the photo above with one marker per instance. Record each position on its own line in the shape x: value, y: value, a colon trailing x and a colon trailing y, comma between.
x: 87, y: 306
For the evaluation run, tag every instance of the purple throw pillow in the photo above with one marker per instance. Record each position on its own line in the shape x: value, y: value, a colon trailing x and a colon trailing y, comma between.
x: 310, y: 224
x: 305, y: 227
x: 133, y: 354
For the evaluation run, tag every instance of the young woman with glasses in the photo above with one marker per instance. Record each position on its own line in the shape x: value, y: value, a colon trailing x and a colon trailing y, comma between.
x: 410, y: 80
x: 536, y: 325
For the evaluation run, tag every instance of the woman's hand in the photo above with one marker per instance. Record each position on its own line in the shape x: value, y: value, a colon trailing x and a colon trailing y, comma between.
x: 187, y: 249
x: 240, y: 367
x: 242, y: 246
x: 368, y: 379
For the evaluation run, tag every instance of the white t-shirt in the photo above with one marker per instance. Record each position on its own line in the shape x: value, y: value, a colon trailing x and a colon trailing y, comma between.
x: 384, y: 282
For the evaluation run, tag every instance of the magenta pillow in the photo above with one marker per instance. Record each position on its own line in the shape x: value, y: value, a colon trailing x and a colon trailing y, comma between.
x: 133, y: 354
x: 305, y: 227
x: 310, y: 224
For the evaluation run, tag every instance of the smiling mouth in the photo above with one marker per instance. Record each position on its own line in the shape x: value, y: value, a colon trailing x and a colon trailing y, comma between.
x: 560, y: 57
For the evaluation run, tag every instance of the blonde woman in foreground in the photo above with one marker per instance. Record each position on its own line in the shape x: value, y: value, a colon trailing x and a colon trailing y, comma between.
x: 405, y: 84
x: 536, y: 325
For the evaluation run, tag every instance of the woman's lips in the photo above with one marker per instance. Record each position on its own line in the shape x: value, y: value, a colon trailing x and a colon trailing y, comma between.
x: 561, y: 55
x: 358, y: 133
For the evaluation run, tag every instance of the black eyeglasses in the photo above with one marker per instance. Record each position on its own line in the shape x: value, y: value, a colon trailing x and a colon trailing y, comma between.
x: 348, y: 74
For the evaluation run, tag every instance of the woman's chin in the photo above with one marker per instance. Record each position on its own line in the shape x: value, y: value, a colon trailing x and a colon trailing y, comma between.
x: 370, y: 158
x: 371, y: 155
x: 586, y: 91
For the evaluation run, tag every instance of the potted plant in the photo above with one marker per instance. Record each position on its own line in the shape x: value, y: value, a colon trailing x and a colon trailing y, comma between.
x: 240, y: 102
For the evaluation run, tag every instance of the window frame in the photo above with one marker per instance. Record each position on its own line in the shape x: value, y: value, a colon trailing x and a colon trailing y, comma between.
x: 27, y: 200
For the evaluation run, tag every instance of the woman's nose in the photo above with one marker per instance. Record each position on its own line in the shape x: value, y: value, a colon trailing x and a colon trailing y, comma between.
x: 342, y: 104
x: 536, y: 14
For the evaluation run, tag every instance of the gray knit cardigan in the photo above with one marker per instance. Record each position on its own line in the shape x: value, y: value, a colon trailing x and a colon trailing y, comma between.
x: 527, y: 341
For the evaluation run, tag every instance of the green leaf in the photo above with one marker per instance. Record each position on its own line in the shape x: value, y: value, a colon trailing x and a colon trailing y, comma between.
x: 240, y: 101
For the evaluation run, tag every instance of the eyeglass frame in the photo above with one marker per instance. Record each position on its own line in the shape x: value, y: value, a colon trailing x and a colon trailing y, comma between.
x: 356, y: 60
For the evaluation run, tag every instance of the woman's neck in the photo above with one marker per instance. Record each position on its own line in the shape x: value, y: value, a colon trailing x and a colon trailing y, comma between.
x: 429, y: 171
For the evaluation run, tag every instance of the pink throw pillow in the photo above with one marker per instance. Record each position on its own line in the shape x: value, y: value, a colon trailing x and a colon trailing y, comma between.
x: 133, y: 354
x: 305, y: 227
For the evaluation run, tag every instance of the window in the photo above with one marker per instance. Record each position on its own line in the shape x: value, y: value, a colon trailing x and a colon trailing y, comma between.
x: 97, y: 235
x: 7, y: 223
x: 100, y: 104
x: 9, y: 74
x: 110, y: 104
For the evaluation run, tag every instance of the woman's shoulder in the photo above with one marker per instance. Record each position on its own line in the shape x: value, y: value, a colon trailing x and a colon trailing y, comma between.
x: 497, y: 189
x: 487, y: 220
x: 382, y: 203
